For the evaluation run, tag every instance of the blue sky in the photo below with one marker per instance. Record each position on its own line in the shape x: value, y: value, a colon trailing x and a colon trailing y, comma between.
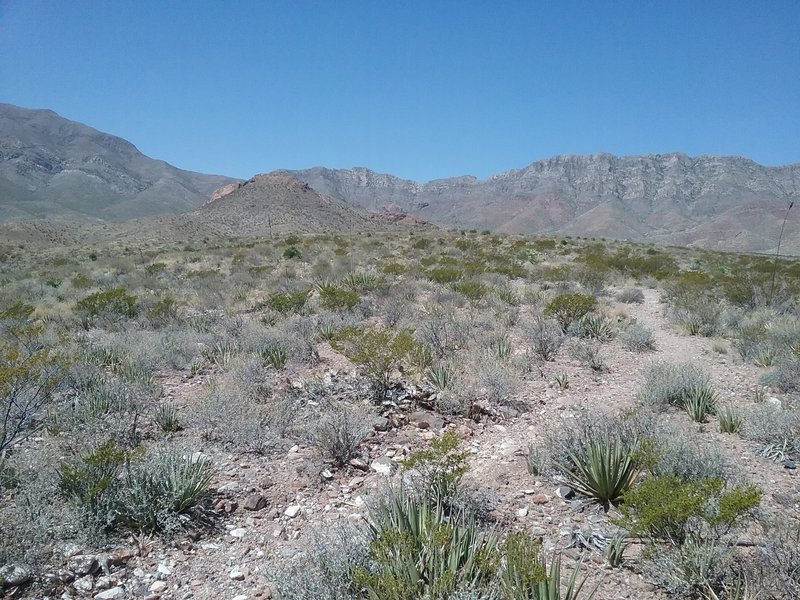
x: 419, y: 89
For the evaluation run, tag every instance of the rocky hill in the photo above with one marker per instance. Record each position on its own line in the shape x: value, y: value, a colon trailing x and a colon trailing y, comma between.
x: 50, y: 166
x: 721, y: 202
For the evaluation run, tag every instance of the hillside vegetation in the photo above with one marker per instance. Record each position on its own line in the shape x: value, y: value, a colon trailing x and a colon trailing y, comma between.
x: 398, y: 415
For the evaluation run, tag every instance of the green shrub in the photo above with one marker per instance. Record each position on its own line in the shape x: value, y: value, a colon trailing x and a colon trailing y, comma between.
x: 444, y: 274
x: 333, y: 297
x: 378, y: 351
x: 286, y: 302
x: 30, y: 373
x: 91, y: 483
x: 166, y: 416
x: 566, y: 309
x: 471, y: 289
x: 674, y: 509
x: 113, y: 304
x: 292, y: 252
x: 441, y: 467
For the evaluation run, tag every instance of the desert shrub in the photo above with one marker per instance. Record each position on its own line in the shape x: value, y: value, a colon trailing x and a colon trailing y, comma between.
x: 587, y: 353
x: 471, y: 289
x: 674, y: 509
x: 238, y: 422
x: 441, y: 329
x: 496, y: 381
x: 157, y: 491
x: 638, y: 338
x: 545, y: 337
x: 697, y: 313
x: 325, y: 570
x: 444, y: 274
x: 339, y: 432
x: 378, y: 351
x: 394, y: 268
x: 699, y: 401
x: 30, y: 372
x: 631, y: 296
x: 336, y: 298
x: 777, y: 431
x: 91, y: 482
x: 361, y: 281
x: 566, y: 309
x: 161, y: 311
x: 667, y: 384
x: 292, y: 252
x: 440, y: 468
x: 666, y: 451
x: 443, y: 376
x: 286, y: 302
x: 111, y: 305
x: 785, y: 376
x: 730, y: 419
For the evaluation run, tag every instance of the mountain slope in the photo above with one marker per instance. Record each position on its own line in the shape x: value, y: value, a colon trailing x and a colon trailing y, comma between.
x: 722, y: 202
x: 50, y: 166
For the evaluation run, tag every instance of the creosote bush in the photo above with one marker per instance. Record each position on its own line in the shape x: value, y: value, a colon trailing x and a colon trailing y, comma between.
x: 567, y: 309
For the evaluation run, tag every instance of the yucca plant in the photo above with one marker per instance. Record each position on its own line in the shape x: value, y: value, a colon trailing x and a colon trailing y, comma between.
x: 507, y: 295
x: 421, y: 552
x: 730, y: 420
x: 699, y: 401
x: 603, y: 468
x: 275, y: 355
x: 596, y: 326
x: 550, y: 588
x: 166, y: 416
x: 501, y: 347
x: 562, y: 380
x: 442, y: 376
x: 615, y: 551
x: 157, y: 491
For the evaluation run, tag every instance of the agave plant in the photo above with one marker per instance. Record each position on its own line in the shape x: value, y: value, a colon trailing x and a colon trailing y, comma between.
x: 442, y: 376
x: 603, y: 468
x: 730, y: 420
x: 420, y: 552
x: 275, y: 355
x: 699, y: 401
x: 550, y: 588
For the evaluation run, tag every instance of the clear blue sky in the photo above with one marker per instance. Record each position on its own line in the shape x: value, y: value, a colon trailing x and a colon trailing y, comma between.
x: 419, y: 89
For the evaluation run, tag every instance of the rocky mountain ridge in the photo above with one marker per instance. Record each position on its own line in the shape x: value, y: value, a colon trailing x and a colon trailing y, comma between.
x: 722, y: 202
x: 54, y: 167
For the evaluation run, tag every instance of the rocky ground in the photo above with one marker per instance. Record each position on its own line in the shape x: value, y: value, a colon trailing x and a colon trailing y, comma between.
x: 274, y: 506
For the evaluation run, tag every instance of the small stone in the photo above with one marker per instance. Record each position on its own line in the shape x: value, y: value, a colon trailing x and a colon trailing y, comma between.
x: 356, y: 481
x: 83, y: 564
x: 255, y: 502
x: 540, y: 499
x: 240, y: 597
x: 381, y: 424
x: 228, y: 487
x: 359, y: 464
x: 164, y: 570
x: 327, y: 475
x: 84, y: 584
x: 292, y: 511
x: 236, y: 575
x: 115, y: 593
x: 14, y: 575
x: 238, y: 532
x: 789, y: 464
x: 158, y: 587
x: 565, y: 492
x: 383, y: 465
x: 522, y: 512
x: 774, y: 401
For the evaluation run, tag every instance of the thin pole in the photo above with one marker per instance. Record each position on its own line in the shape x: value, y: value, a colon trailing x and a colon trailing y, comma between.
x: 777, y: 253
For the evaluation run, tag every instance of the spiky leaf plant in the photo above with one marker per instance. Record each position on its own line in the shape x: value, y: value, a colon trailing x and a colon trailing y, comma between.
x: 603, y: 468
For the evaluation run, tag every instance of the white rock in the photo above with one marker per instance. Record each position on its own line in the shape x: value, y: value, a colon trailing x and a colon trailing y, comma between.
x: 84, y: 584
x: 240, y: 597
x: 522, y: 512
x: 164, y: 569
x: 292, y: 511
x: 238, y: 532
x: 158, y: 587
x: 236, y: 575
x: 115, y: 593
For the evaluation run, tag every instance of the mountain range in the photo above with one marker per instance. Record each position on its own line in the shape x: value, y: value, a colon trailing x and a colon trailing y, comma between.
x: 721, y: 202
x: 53, y: 167
x: 50, y: 166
